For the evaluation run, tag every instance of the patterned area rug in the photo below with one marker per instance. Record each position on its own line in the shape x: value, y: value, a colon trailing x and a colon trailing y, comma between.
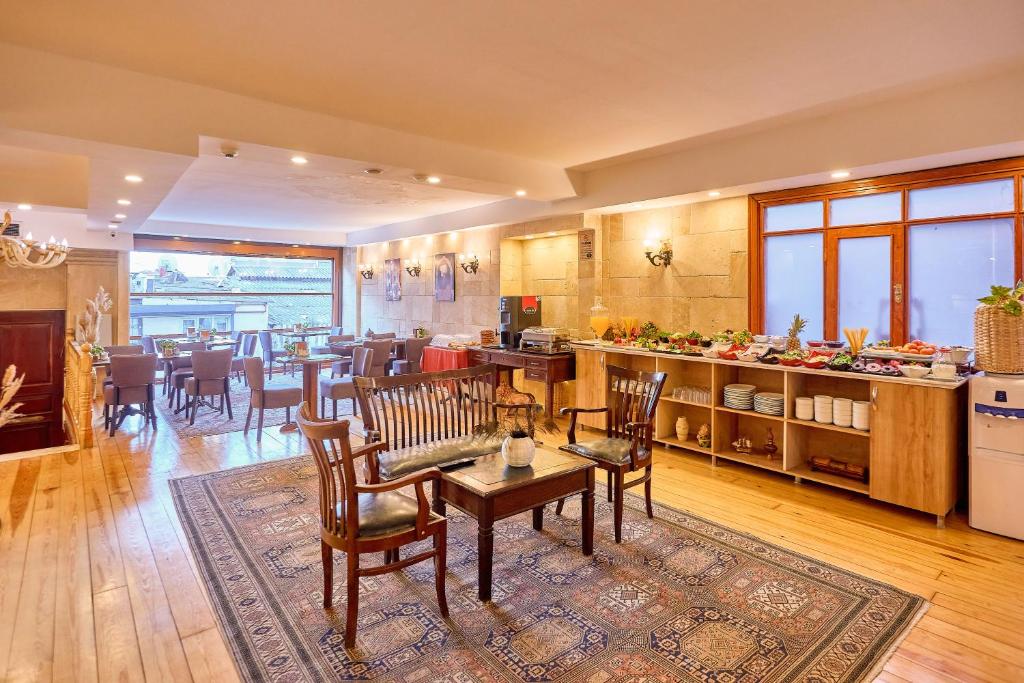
x: 681, y: 599
x: 209, y: 421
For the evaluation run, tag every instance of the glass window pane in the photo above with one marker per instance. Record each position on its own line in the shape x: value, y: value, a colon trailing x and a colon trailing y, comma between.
x: 951, y: 265
x: 865, y: 279
x: 793, y: 283
x: 793, y: 216
x: 168, y: 271
x: 991, y: 196
x: 866, y: 209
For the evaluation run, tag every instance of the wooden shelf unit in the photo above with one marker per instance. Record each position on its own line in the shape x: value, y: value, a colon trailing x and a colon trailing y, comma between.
x: 911, y: 451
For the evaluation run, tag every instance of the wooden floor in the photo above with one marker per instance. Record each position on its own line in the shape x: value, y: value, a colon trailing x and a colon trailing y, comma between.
x: 97, y: 582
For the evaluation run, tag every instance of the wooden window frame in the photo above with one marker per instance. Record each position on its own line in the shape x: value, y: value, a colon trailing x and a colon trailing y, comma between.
x: 193, y: 245
x: 899, y: 229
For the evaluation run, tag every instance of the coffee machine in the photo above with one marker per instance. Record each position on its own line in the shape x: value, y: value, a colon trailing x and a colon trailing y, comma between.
x: 515, y: 314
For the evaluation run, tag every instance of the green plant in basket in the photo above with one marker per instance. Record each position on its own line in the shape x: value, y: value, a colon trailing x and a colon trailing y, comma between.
x: 1010, y: 299
x: 289, y: 348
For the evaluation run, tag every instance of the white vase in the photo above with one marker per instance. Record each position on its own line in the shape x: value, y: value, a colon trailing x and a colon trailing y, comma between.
x: 518, y: 452
x: 682, y: 429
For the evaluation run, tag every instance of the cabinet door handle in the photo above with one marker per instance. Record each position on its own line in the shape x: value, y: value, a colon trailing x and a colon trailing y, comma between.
x: 602, y: 361
x: 874, y: 398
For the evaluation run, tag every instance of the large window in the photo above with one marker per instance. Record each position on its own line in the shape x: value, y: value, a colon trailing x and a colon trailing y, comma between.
x: 906, y: 256
x: 172, y: 291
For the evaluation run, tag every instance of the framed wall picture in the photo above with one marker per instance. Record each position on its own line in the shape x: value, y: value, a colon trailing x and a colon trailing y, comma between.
x: 392, y: 279
x: 444, y: 277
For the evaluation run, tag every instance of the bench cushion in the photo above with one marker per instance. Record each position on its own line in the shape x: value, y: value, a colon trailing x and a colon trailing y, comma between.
x: 398, y: 463
x: 608, y: 449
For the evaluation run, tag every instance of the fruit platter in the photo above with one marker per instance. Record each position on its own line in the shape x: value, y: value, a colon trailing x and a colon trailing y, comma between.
x: 915, y: 350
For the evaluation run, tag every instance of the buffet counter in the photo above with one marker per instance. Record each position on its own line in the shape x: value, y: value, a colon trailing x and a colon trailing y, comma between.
x: 908, y: 455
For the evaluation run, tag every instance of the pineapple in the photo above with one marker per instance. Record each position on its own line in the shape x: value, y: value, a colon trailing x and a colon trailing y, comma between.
x: 798, y: 325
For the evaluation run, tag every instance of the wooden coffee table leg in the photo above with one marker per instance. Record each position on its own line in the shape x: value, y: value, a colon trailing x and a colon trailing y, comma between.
x: 485, y: 553
x: 588, y: 514
x: 538, y: 518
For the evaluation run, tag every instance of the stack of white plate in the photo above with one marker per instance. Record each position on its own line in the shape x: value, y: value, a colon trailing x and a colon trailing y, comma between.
x: 842, y: 412
x: 823, y: 409
x: 804, y: 408
x: 739, y: 396
x: 769, y: 403
x: 861, y: 415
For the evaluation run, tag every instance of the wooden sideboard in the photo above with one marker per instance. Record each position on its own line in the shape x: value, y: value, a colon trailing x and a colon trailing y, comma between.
x: 538, y: 367
x: 913, y: 449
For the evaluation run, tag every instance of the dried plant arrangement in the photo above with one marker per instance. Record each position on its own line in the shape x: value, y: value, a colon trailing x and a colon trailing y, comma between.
x: 9, y: 386
x: 88, y: 329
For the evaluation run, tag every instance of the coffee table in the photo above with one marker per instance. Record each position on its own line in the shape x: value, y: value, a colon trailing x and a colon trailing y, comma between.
x: 488, y: 490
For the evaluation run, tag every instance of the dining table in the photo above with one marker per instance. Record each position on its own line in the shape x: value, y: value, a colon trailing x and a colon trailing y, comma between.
x: 310, y: 380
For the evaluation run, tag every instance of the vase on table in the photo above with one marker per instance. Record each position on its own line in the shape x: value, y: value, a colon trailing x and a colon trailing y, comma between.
x: 518, y: 451
x: 682, y: 428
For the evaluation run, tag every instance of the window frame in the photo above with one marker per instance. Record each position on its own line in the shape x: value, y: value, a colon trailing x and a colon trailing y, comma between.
x: 160, y: 243
x: 899, y: 229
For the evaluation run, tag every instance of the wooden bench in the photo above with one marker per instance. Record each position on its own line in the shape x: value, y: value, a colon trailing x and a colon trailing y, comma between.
x: 430, y: 419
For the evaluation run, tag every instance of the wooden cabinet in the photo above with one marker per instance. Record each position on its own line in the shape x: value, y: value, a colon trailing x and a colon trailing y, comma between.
x: 914, y: 446
x: 591, y: 386
x: 912, y: 451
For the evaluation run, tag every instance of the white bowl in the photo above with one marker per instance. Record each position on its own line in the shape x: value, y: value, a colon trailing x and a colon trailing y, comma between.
x: 914, y: 371
x: 709, y: 353
x: 761, y: 338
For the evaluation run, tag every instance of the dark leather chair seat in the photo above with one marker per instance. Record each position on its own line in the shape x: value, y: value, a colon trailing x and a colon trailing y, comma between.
x: 386, y: 513
x: 398, y: 463
x: 608, y: 449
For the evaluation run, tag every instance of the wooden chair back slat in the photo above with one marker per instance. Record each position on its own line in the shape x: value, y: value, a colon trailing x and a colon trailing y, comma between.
x: 632, y: 397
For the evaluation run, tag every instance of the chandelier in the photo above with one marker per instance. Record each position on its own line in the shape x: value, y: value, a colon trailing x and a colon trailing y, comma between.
x: 24, y: 252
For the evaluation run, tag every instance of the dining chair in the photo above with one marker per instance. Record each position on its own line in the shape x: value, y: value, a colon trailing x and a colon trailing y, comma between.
x: 382, y: 335
x: 148, y: 343
x: 339, y: 388
x: 132, y: 378
x: 247, y: 347
x: 270, y: 354
x: 381, y: 356
x: 333, y: 339
x: 262, y: 397
x: 176, y: 371
x: 210, y: 377
x: 413, y: 355
x: 341, y: 345
x: 365, y: 518
x: 628, y: 443
x: 125, y: 350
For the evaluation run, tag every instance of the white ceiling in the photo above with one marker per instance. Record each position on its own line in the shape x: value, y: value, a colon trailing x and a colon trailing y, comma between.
x: 495, y: 95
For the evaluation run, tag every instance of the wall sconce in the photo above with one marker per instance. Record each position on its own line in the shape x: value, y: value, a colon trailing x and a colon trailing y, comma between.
x: 662, y: 257
x: 414, y: 268
x: 469, y: 262
x: 366, y: 270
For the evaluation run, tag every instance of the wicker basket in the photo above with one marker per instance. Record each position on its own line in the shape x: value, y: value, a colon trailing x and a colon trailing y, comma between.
x: 998, y: 340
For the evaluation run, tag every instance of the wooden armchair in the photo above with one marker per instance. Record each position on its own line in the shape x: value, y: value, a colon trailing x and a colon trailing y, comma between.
x: 629, y: 434
x: 365, y: 518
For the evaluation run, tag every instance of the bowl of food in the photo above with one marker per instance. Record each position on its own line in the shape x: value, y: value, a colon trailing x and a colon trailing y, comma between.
x: 913, y: 370
x: 958, y: 354
x: 791, y: 360
x: 841, y: 362
x: 816, y: 362
x: 727, y: 355
x: 709, y: 353
x: 834, y: 345
x: 769, y: 359
x: 817, y: 344
x: 761, y: 338
x: 746, y: 356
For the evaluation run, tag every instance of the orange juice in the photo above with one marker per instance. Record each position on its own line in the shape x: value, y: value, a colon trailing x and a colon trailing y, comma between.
x: 599, y: 323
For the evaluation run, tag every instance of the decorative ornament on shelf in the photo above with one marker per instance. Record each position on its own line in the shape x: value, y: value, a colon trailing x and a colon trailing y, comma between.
x: 366, y: 270
x: 9, y: 386
x: 88, y: 326
x: 414, y: 268
x: 682, y: 428
x: 24, y: 252
x: 704, y: 436
x: 663, y: 257
x: 469, y: 262
x: 769, y: 445
x: 795, y: 328
x: 743, y: 445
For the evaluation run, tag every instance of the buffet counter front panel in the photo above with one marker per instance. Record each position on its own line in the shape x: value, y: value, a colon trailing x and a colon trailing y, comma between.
x: 909, y: 454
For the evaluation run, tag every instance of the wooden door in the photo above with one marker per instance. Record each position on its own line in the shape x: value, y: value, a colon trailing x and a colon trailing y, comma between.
x: 590, y: 386
x: 914, y: 445
x: 34, y: 342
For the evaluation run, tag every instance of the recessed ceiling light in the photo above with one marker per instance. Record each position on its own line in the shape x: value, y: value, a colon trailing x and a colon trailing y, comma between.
x: 124, y: 202
x: 112, y: 226
x: 839, y: 175
x: 714, y: 193
x: 176, y: 237
x: 236, y: 242
x: 295, y: 246
x: 120, y: 216
x: 24, y: 207
x: 372, y: 171
x: 520, y: 193
x: 132, y: 178
x: 552, y: 234
x: 433, y: 179
x: 299, y: 160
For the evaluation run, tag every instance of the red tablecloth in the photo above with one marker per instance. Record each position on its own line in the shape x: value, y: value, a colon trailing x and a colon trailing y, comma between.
x: 436, y: 358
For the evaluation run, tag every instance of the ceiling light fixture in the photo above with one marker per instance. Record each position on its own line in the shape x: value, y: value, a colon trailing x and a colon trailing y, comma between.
x: 112, y: 226
x: 520, y: 193
x: 299, y: 160
x: 433, y: 179
x: 839, y: 175
x: 24, y: 252
x: 24, y: 207
x: 124, y: 202
x: 132, y: 178
x: 236, y: 242
x: 120, y: 216
x: 372, y: 171
x: 714, y: 193
x: 295, y: 246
